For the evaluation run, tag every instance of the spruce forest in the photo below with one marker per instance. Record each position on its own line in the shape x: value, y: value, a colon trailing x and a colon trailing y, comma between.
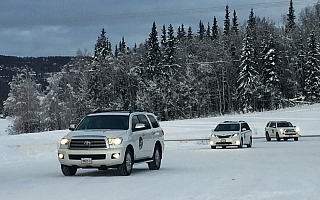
x: 180, y: 72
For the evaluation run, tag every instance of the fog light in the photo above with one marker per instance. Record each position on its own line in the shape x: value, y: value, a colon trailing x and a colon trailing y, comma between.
x: 211, y: 142
x: 115, y: 156
x: 60, y: 155
x: 238, y: 142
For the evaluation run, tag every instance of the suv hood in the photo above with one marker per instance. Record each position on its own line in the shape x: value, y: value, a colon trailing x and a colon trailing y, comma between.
x: 97, y: 133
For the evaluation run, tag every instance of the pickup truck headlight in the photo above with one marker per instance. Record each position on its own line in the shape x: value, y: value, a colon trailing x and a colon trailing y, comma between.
x: 297, y: 129
x: 115, y: 141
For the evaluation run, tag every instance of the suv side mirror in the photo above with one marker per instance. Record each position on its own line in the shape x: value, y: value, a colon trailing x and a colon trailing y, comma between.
x: 140, y: 126
x: 72, y: 127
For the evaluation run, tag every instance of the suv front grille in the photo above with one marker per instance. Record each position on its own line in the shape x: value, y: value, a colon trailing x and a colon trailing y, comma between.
x: 92, y: 156
x: 87, y: 143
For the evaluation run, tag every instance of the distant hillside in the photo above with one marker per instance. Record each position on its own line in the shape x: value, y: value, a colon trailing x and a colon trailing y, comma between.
x: 9, y: 65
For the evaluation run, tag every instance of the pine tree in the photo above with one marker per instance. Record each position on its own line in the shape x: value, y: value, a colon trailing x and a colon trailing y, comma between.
x: 290, y: 25
x: 226, y: 28
x: 312, y: 81
x: 190, y: 34
x: 248, y: 76
x: 169, y: 52
x: 214, y: 28
x: 100, y: 86
x: 270, y: 77
x: 153, y: 52
x: 201, y: 30
x: 164, y: 36
x: 208, y: 31
x: 235, y: 24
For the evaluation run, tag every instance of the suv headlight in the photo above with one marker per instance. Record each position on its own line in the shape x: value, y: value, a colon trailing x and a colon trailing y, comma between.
x: 281, y: 130
x: 213, y: 135
x: 115, y: 141
x: 64, y: 142
x: 297, y: 129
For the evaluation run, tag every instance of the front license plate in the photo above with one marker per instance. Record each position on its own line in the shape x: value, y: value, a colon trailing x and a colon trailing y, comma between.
x: 86, y: 160
x: 223, y: 140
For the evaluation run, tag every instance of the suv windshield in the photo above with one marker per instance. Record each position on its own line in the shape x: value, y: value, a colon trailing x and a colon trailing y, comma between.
x: 285, y: 124
x: 227, y: 127
x: 120, y: 122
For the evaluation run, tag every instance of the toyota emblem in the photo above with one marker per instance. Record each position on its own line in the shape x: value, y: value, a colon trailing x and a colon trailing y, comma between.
x: 87, y: 143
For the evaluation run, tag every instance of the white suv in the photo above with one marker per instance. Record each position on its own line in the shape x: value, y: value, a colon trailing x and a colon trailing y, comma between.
x: 231, y: 133
x: 281, y: 130
x: 115, y: 139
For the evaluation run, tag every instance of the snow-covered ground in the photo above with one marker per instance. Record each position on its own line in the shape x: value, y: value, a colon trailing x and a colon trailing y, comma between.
x: 29, y: 168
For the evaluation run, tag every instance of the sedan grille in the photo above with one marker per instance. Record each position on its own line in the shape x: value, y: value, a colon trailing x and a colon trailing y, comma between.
x: 87, y: 143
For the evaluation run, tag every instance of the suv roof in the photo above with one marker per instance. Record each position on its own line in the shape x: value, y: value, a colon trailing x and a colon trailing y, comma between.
x: 232, y: 122
x: 277, y: 121
x: 115, y: 112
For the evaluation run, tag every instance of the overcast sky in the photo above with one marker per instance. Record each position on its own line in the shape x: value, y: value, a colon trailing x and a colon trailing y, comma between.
x: 61, y: 27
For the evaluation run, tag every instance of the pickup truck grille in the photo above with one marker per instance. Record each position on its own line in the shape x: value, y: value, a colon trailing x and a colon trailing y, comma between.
x: 87, y: 143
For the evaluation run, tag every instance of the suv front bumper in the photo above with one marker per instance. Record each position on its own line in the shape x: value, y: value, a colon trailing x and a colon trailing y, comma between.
x: 94, y: 158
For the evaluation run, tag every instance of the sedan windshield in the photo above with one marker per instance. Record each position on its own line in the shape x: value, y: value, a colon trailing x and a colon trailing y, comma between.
x: 227, y: 127
x: 120, y: 122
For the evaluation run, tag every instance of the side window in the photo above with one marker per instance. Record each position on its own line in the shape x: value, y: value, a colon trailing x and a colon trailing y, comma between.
x: 246, y: 126
x: 268, y: 124
x: 135, y: 121
x: 153, y: 121
x: 143, y: 119
x: 273, y: 125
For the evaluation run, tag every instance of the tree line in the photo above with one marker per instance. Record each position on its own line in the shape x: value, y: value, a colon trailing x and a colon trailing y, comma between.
x: 179, y: 74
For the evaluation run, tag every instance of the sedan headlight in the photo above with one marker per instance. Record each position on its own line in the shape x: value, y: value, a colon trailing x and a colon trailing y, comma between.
x: 115, y: 141
x: 213, y: 135
x: 235, y: 135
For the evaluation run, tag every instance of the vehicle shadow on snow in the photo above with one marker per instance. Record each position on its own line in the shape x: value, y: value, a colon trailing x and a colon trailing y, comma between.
x: 109, y: 172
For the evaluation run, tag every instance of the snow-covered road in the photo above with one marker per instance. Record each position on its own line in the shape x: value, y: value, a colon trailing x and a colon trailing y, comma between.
x: 190, y: 170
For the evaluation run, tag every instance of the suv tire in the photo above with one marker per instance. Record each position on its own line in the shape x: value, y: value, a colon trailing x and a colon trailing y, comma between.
x: 125, y: 168
x: 296, y: 139
x: 268, y: 138
x: 277, y: 136
x: 156, y: 159
x: 68, y: 170
x: 250, y: 143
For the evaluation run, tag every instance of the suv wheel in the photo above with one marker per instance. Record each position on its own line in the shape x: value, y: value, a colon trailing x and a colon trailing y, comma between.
x: 156, y: 159
x: 296, y: 139
x: 125, y: 168
x: 213, y: 147
x: 68, y: 170
x: 250, y: 143
x: 268, y: 138
x: 277, y: 136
